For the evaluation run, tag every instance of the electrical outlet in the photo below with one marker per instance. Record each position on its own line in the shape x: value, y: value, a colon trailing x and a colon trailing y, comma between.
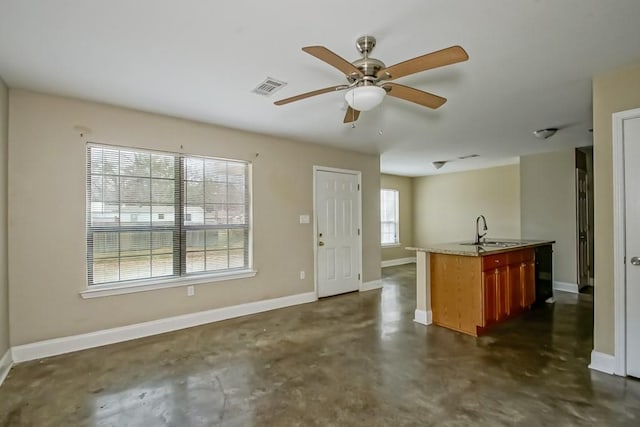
x: 191, y: 291
x: 302, y: 275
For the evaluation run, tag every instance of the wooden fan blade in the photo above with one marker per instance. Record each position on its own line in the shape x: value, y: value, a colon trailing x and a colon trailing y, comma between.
x: 414, y: 95
x: 351, y: 116
x: 324, y: 54
x: 310, y: 94
x: 440, y: 58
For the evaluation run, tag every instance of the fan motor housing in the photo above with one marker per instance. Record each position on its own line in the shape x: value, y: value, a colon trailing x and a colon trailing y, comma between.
x: 369, y: 66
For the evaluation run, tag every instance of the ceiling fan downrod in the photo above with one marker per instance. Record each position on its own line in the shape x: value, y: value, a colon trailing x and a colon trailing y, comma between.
x: 368, y: 66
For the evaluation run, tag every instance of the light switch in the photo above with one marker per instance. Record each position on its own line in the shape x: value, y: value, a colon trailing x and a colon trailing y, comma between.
x: 304, y: 219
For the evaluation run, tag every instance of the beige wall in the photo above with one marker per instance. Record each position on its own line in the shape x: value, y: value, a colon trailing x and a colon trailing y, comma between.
x: 446, y: 206
x: 612, y: 92
x: 404, y: 185
x: 4, y: 287
x: 47, y: 265
x: 548, y: 207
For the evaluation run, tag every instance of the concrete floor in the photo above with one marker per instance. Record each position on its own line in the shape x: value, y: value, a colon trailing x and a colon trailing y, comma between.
x: 355, y: 359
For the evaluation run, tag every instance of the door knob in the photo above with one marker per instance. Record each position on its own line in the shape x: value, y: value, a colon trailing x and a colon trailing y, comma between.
x: 635, y: 260
x: 322, y: 244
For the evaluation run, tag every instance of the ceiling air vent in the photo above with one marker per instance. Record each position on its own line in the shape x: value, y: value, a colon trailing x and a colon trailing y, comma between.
x: 269, y: 86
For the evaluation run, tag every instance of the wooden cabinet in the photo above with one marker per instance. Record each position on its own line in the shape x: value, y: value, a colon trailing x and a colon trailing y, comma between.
x: 469, y: 294
x: 509, y: 284
x: 459, y: 305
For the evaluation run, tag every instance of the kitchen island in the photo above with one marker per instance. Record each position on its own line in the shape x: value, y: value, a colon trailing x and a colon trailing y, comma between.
x: 470, y: 287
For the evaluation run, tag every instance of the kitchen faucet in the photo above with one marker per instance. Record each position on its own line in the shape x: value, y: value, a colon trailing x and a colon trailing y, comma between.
x: 484, y: 228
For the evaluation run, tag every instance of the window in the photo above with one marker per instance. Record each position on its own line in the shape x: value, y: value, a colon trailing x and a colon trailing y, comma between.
x: 164, y: 215
x: 389, y: 217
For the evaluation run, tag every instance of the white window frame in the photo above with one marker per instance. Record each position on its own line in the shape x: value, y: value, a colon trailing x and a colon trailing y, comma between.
x: 147, y: 284
x: 396, y: 241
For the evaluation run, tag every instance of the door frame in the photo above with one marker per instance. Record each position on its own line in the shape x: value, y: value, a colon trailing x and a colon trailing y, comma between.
x: 619, y: 226
x: 358, y: 174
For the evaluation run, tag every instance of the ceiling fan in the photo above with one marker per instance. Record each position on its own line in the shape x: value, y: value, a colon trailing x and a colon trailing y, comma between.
x: 369, y: 80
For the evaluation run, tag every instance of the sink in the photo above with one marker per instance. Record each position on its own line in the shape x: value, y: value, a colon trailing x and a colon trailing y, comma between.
x: 492, y: 244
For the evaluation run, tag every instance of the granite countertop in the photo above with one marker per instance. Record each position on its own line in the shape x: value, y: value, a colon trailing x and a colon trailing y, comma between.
x: 460, y: 248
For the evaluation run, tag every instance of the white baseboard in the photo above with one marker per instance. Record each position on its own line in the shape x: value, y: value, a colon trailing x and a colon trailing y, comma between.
x: 423, y: 317
x: 370, y: 286
x: 398, y: 261
x: 566, y: 287
x: 6, y: 362
x: 602, y: 362
x: 52, y: 347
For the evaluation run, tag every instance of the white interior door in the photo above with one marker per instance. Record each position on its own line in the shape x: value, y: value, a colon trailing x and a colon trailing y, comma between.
x: 337, y: 214
x: 631, y: 140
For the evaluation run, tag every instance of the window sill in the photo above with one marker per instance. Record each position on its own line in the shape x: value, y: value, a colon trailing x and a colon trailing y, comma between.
x: 98, y: 291
x: 391, y: 245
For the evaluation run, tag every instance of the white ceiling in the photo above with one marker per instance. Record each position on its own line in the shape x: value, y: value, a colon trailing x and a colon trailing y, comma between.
x: 530, y: 67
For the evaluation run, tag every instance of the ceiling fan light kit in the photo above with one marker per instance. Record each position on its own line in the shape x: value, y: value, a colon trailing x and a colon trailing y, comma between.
x: 545, y: 133
x: 439, y: 164
x: 365, y: 98
x: 369, y: 79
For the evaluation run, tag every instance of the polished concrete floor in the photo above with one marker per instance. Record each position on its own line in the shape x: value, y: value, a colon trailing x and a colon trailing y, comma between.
x: 350, y: 360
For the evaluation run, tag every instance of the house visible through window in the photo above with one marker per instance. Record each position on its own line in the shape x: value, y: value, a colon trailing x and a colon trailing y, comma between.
x: 164, y: 215
x: 389, y: 217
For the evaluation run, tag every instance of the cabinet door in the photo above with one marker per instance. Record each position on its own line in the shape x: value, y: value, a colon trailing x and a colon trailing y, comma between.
x: 490, y: 296
x: 515, y: 290
x: 444, y: 304
x: 529, y: 282
x: 524, y: 292
x: 502, y: 279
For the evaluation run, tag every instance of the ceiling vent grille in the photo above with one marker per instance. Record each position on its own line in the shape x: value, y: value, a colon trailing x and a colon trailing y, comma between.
x: 269, y: 86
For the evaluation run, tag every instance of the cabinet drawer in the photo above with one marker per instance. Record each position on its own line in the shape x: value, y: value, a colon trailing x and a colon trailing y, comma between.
x: 528, y: 254
x: 517, y: 257
x: 490, y: 262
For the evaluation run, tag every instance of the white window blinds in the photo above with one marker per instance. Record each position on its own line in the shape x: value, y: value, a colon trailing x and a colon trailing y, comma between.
x: 163, y: 215
x: 389, y: 217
